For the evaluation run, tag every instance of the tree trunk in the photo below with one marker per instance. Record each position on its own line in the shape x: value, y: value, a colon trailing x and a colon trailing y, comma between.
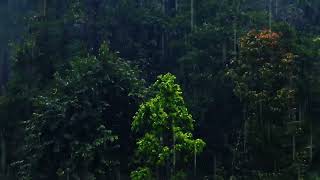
x: 163, y: 32
x: 4, y: 70
x: 293, y: 147
x: 92, y: 31
x: 224, y: 52
x: 159, y: 168
x: 245, y: 129
x: 235, y: 39
x: 162, y: 44
x: 270, y: 15
x: 174, y: 150
x: 214, y: 167
x: 192, y: 14
x: 300, y: 113
x: 164, y: 7
x: 3, y: 154
x: 44, y: 7
x: 84, y: 173
x: 177, y: 5
x: 276, y: 7
x: 195, y: 161
x: 311, y: 143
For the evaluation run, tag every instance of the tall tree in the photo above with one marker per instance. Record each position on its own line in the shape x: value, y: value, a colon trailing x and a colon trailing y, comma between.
x: 265, y: 78
x: 164, y: 126
x: 73, y: 133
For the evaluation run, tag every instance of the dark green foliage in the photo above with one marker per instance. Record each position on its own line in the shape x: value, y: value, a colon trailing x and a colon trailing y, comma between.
x: 266, y: 77
x: 73, y: 131
x: 66, y: 107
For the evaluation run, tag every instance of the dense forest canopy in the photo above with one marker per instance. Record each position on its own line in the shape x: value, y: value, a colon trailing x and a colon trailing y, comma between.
x: 160, y: 89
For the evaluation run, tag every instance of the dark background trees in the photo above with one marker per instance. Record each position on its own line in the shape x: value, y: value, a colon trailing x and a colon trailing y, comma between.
x: 46, y: 43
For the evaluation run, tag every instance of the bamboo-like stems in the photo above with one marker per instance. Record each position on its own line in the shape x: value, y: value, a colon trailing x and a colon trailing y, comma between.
x: 192, y: 14
x: 174, y: 149
x: 44, y: 7
x: 270, y: 15
x: 195, y: 161
x: 3, y: 154
x: 293, y: 147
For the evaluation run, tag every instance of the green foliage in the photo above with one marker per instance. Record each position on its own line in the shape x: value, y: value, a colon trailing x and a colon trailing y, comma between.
x: 262, y: 69
x: 72, y: 129
x: 265, y: 77
x: 72, y: 103
x: 141, y: 173
x: 165, y: 126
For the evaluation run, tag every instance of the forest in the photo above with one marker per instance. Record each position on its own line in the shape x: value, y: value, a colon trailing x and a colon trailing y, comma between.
x: 159, y: 90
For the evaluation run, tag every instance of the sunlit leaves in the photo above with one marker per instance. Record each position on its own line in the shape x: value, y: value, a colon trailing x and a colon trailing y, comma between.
x: 142, y: 173
x: 165, y: 125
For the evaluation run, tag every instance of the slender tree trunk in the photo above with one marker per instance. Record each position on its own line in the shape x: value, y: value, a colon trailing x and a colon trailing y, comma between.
x: 3, y: 154
x: 245, y: 129
x: 44, y: 7
x: 300, y: 113
x: 270, y: 15
x: 195, y: 161
x: 4, y: 71
x: 236, y: 7
x: 68, y: 174
x: 293, y: 147
x: 174, y: 150
x: 163, y: 6
x: 163, y: 31
x: 192, y: 14
x: 214, y: 167
x: 163, y: 44
x: 84, y: 173
x: 177, y: 5
x: 235, y: 39
x: 276, y: 2
x: 260, y: 111
x: 224, y: 52
x: 159, y: 169
x: 4, y: 52
x: 311, y: 143
x: 119, y: 173
x: 92, y: 31
x: 269, y: 130
x: 158, y: 173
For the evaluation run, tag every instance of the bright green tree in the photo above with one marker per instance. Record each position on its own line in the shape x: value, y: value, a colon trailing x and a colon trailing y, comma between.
x: 164, y: 126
